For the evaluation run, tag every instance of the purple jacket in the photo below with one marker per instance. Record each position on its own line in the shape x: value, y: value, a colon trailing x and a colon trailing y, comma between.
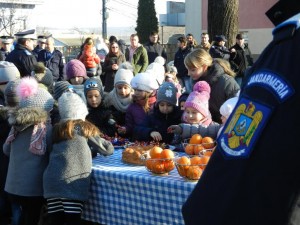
x: 135, y: 115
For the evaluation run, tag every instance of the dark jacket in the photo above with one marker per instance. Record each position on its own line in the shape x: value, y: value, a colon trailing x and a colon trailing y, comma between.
x: 256, y: 181
x: 240, y: 60
x: 157, y: 121
x: 217, y: 51
x: 54, y: 62
x: 23, y: 59
x: 154, y: 50
x: 100, y: 117
x: 5, y: 128
x: 36, y: 51
x: 109, y: 72
x: 179, y: 61
x: 222, y: 87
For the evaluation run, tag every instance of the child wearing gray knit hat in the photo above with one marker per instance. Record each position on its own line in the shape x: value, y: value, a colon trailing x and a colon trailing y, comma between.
x: 66, y: 180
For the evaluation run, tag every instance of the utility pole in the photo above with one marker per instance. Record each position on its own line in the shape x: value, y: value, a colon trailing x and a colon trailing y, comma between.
x: 104, y: 20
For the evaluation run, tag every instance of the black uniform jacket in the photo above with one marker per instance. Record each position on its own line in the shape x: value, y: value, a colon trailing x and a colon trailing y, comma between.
x: 253, y: 176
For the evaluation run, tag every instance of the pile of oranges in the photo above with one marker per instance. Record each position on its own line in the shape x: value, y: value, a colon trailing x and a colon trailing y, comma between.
x: 161, y: 161
x: 191, y: 167
x: 196, y: 144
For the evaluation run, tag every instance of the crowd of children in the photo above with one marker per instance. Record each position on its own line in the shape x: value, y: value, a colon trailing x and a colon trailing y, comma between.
x: 60, y: 133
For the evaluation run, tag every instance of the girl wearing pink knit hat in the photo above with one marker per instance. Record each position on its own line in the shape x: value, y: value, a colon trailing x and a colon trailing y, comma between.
x: 196, y: 116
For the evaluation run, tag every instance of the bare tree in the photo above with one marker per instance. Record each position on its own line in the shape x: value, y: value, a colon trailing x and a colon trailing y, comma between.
x: 223, y: 18
x: 11, y: 21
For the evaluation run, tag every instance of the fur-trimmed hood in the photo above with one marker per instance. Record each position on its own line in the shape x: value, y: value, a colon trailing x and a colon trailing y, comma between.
x: 4, y: 113
x: 21, y: 118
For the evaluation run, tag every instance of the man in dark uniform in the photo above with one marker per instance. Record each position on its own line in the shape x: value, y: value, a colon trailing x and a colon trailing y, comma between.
x: 253, y: 175
x: 22, y: 55
x: 53, y: 59
x: 6, y: 43
x: 40, y: 45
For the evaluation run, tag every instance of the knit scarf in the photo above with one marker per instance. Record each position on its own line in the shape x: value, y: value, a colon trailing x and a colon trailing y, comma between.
x: 37, y: 141
x: 121, y: 104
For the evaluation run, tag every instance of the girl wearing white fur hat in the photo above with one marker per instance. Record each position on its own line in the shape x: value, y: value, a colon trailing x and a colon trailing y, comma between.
x: 144, y: 97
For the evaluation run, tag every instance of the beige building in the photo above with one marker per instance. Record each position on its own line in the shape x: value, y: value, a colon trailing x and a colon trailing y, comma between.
x: 252, y: 21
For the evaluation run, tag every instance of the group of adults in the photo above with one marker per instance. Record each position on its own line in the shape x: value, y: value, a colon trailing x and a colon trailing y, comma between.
x: 239, y: 55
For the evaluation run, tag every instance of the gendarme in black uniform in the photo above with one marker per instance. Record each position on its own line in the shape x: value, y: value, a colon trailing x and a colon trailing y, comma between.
x: 253, y: 176
x: 21, y: 56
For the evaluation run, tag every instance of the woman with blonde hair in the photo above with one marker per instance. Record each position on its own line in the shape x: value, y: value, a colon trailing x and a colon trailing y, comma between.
x: 217, y: 73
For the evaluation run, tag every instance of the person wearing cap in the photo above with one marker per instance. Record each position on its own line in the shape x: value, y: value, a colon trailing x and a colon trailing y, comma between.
x: 22, y: 55
x: 53, y: 59
x: 27, y: 146
x: 253, y: 176
x: 41, y: 44
x: 241, y: 58
x: 6, y: 44
x: 218, y: 49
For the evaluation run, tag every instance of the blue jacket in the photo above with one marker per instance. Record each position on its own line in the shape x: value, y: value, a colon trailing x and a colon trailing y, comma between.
x: 54, y: 62
x: 157, y: 121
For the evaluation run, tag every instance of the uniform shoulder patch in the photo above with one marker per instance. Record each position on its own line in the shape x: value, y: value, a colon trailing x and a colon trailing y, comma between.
x: 273, y: 82
x: 243, y: 128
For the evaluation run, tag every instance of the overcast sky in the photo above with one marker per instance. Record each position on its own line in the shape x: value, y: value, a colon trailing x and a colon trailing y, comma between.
x: 87, y: 13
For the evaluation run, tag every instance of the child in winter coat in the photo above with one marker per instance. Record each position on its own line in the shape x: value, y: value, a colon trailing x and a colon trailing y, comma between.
x: 196, y: 114
x: 144, y: 97
x: 66, y: 179
x: 89, y: 58
x: 98, y: 115
x: 76, y: 76
x: 164, y: 113
x: 27, y: 145
x: 120, y: 97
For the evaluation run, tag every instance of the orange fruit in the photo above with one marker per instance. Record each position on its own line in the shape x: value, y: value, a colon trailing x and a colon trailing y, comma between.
x: 189, y: 149
x: 184, y: 160
x: 194, y: 173
x: 169, y: 165
x: 155, y: 152
x: 158, y: 166
x: 204, y: 161
x: 208, y: 142
x: 198, y: 149
x: 167, y: 154
x: 207, y: 153
x: 196, y: 160
x: 183, y: 164
x: 196, y: 139
x: 149, y: 164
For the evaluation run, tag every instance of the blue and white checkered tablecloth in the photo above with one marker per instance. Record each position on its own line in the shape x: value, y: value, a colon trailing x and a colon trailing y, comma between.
x: 123, y: 194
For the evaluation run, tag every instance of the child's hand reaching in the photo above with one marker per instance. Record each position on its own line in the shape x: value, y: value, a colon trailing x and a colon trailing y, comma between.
x: 156, y: 136
x: 176, y: 129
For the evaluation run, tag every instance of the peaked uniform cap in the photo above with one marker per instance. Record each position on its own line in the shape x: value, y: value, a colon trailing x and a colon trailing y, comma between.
x: 7, y: 39
x: 29, y: 34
